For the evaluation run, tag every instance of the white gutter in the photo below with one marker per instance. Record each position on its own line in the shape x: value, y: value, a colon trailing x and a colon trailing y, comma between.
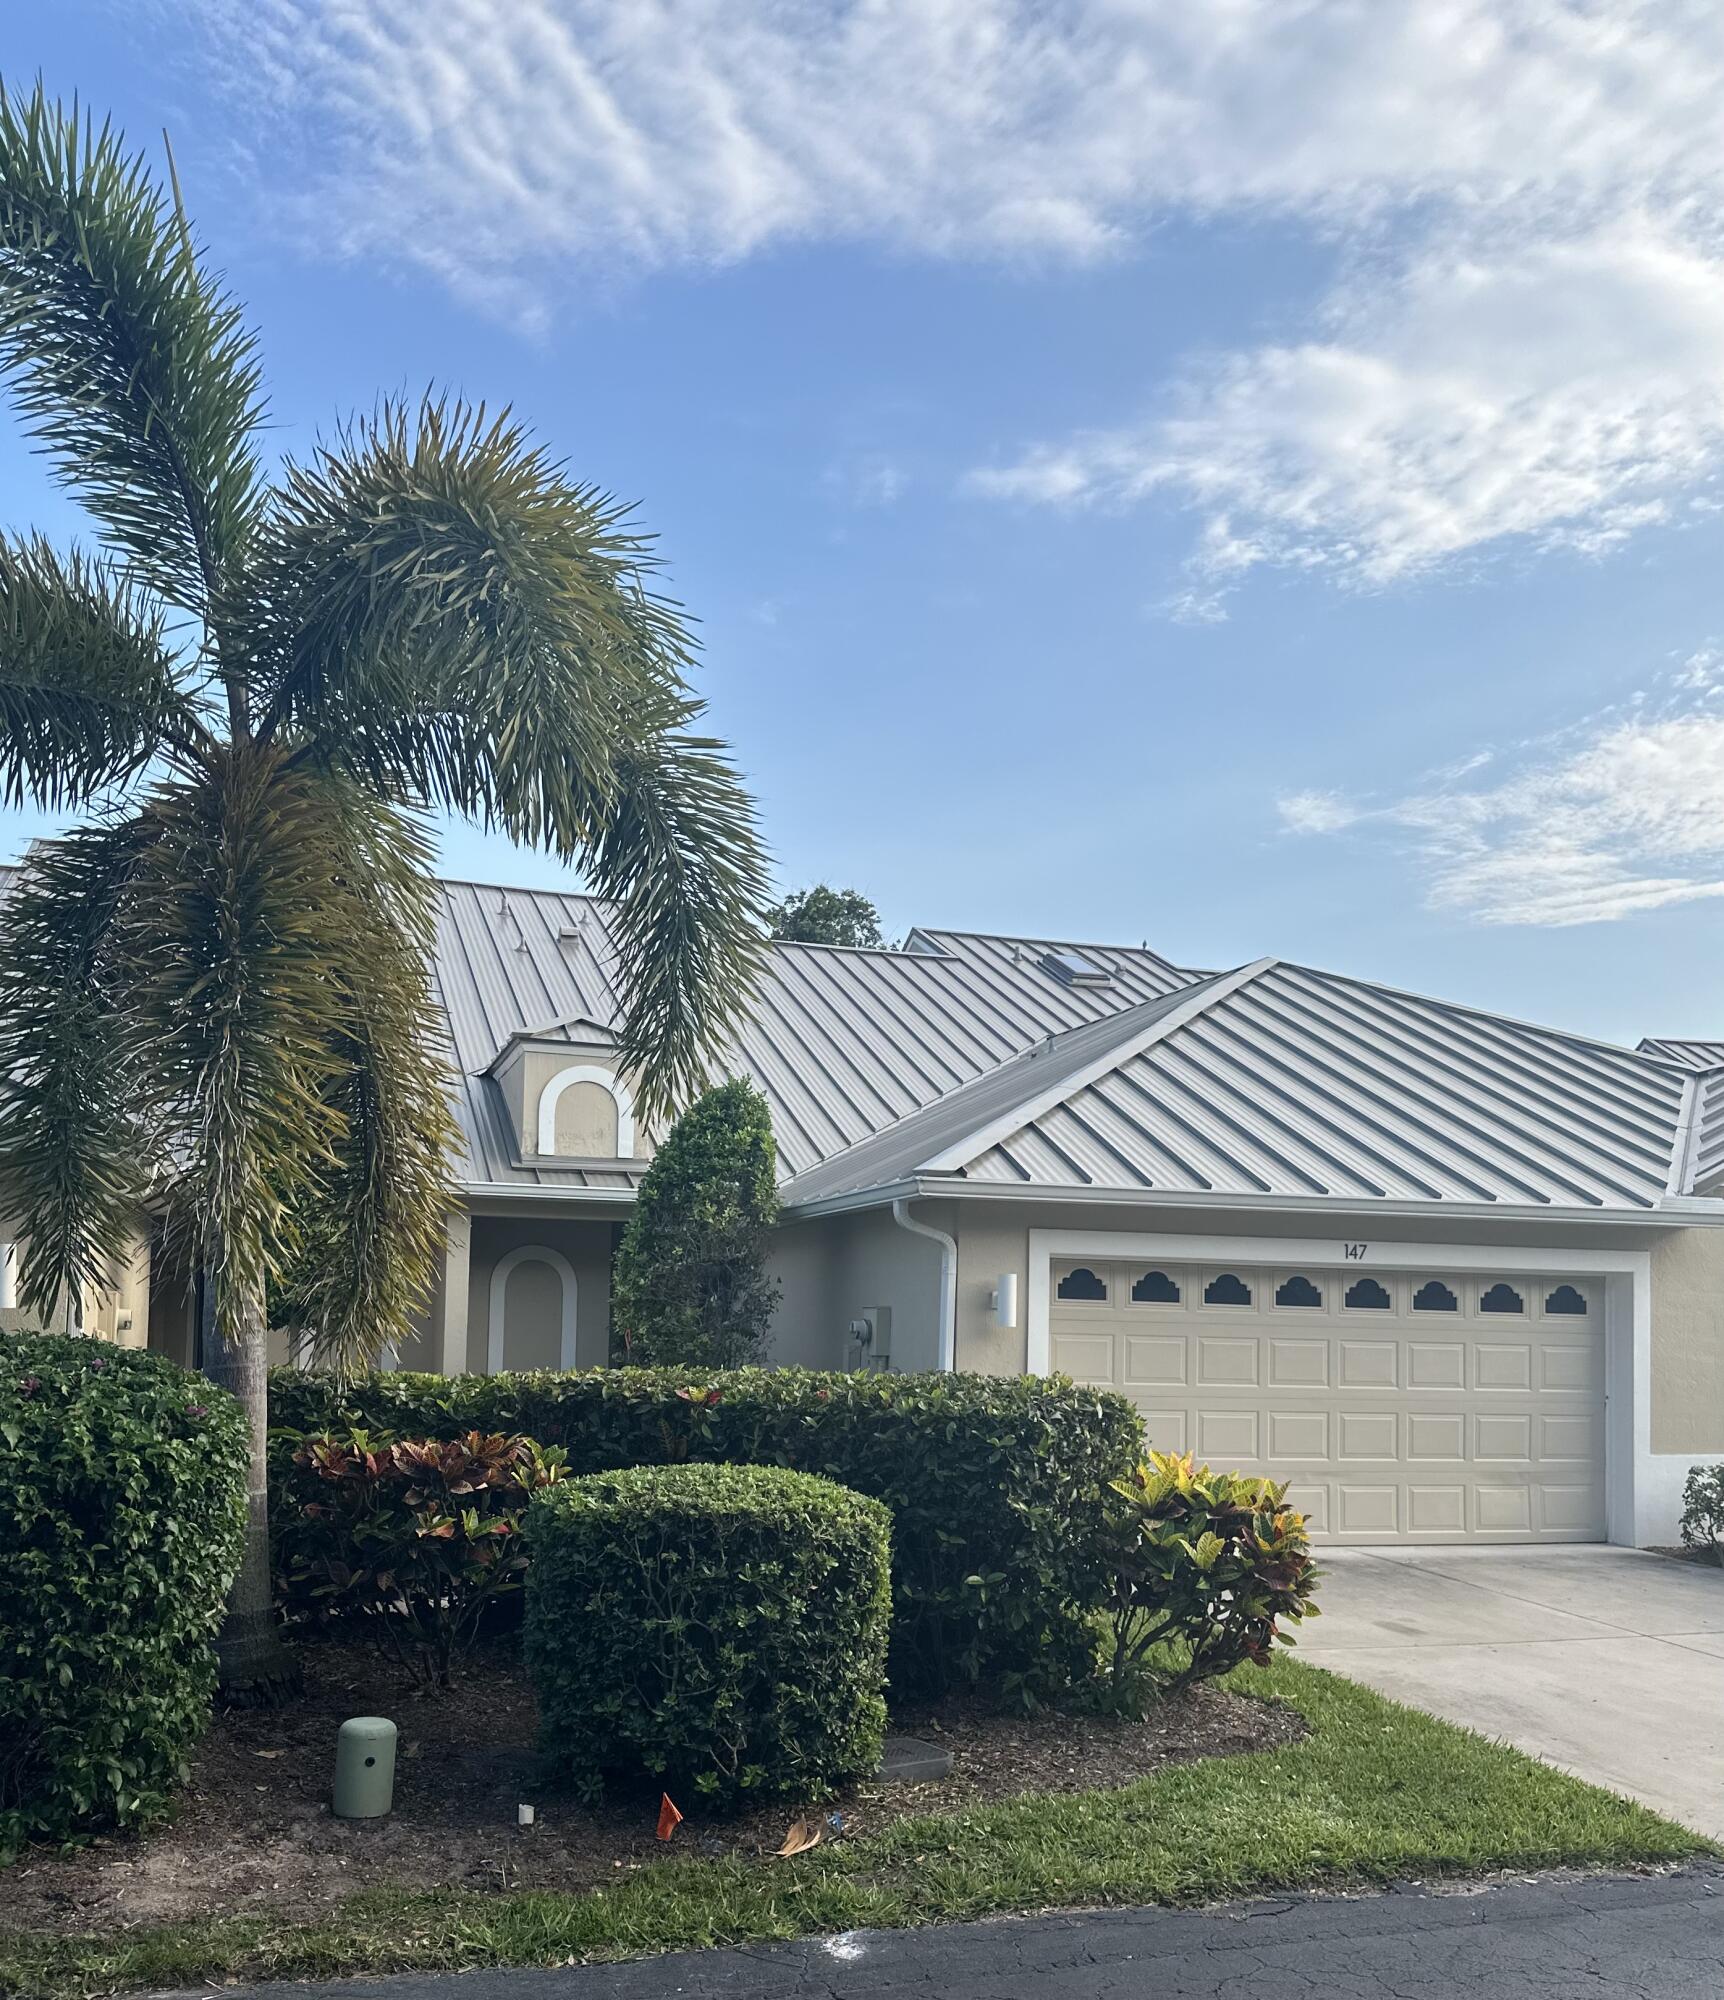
x: 948, y: 1281
x: 1670, y: 1212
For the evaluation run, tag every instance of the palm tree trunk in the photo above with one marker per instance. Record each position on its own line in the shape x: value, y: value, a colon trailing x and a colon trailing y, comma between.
x: 255, y: 1669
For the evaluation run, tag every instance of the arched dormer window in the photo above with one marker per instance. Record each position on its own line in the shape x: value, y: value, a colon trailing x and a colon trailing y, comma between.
x: 552, y: 1096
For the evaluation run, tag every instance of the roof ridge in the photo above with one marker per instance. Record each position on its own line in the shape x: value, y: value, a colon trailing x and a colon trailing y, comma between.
x: 1172, y: 1011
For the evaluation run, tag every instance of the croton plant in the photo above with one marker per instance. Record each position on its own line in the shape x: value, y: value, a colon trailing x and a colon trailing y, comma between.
x: 417, y: 1536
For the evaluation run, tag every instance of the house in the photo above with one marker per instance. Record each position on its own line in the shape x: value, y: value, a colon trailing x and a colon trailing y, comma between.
x: 1458, y: 1277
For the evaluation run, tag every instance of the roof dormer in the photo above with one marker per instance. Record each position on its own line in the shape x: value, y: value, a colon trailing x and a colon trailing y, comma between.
x: 568, y: 1099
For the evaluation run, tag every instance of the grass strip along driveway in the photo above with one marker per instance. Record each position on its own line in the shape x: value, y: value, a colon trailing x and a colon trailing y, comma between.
x: 1375, y: 1792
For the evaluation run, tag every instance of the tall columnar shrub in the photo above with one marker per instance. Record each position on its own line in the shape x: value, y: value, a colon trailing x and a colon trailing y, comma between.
x: 997, y: 1485
x: 690, y: 1288
x: 122, y: 1522
x: 720, y: 1629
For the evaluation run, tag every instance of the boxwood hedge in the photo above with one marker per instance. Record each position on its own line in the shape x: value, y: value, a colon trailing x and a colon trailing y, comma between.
x: 721, y: 1628
x: 995, y: 1484
x: 122, y: 1520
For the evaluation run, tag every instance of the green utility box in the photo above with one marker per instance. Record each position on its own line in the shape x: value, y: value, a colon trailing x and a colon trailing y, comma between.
x: 365, y: 1767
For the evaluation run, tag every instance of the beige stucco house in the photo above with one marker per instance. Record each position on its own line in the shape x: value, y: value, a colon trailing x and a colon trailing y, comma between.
x: 1457, y: 1277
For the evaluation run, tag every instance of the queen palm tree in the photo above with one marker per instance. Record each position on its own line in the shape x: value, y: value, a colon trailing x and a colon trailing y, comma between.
x: 214, y: 992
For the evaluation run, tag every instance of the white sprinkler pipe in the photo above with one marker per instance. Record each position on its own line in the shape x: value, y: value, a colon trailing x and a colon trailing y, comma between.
x: 948, y: 1281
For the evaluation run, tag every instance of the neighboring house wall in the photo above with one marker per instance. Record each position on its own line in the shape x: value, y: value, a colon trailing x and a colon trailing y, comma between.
x: 118, y: 1309
x: 1688, y: 1342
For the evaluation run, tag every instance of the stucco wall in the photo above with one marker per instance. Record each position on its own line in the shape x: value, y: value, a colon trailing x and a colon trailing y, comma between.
x: 1688, y: 1341
x: 803, y: 1333
x: 871, y: 1264
x: 118, y: 1309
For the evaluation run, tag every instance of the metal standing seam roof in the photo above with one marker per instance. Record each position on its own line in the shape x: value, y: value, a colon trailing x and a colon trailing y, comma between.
x: 963, y: 1058
x: 1690, y: 1054
x: 1283, y: 1081
x: 842, y: 1043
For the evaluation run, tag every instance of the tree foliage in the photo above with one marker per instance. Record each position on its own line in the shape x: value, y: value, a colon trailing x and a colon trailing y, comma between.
x: 690, y: 1286
x: 824, y: 915
x: 215, y: 995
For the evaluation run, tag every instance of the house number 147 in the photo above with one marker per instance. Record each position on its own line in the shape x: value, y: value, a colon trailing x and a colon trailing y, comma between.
x: 1354, y: 1252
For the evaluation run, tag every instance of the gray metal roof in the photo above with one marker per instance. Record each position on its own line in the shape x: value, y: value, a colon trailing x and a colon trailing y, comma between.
x: 842, y: 1043
x: 962, y: 1059
x: 1283, y: 1081
x: 1690, y: 1054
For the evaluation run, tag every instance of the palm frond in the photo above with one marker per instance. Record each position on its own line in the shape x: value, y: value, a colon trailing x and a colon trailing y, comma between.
x: 371, y: 1223
x: 133, y: 368
x: 677, y: 851
x: 234, y: 991
x: 74, y: 1154
x: 87, y: 688
x: 449, y: 621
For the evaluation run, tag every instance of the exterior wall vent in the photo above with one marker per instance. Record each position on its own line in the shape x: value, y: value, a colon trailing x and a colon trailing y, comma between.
x: 1071, y: 968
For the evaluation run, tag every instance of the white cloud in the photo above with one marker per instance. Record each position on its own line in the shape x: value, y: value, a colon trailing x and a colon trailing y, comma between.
x: 1524, y: 341
x: 871, y: 480
x: 1622, y: 813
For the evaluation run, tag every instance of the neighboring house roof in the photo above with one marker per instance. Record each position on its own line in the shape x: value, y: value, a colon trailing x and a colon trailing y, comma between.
x: 1690, y: 1054
x: 843, y: 1043
x: 1281, y: 1081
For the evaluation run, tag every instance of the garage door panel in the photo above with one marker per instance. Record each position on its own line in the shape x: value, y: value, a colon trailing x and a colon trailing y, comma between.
x: 1390, y: 1422
x: 1367, y: 1511
x: 1298, y: 1364
x: 1370, y: 1364
x: 1437, y: 1438
x: 1298, y: 1437
x: 1434, y: 1364
x: 1437, y: 1511
x: 1153, y: 1361
x: 1502, y: 1367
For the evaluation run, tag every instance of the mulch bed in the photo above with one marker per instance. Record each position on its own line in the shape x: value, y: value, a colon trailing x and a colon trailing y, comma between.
x: 254, y: 1830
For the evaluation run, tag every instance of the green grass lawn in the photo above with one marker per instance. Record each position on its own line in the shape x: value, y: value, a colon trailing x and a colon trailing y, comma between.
x: 1375, y: 1792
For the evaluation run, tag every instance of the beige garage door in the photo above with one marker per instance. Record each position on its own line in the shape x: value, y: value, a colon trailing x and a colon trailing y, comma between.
x: 1402, y: 1406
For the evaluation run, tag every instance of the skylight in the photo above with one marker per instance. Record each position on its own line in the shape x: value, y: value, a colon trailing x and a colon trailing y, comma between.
x: 1074, y: 968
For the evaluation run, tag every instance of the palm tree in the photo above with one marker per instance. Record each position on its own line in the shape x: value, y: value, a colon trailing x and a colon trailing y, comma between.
x: 214, y: 994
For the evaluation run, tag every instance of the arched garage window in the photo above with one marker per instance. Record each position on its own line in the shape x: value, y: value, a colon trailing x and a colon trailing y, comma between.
x: 1565, y: 1299
x: 1368, y: 1296
x: 1435, y: 1297
x: 1298, y: 1291
x: 1501, y: 1298
x: 1156, y: 1288
x: 1082, y: 1284
x: 1227, y: 1288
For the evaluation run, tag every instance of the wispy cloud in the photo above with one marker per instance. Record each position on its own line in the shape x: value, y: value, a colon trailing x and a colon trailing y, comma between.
x: 1621, y: 813
x: 1525, y: 341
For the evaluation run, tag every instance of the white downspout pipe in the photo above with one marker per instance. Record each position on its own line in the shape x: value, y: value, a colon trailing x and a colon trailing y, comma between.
x: 948, y: 1281
x: 8, y: 1276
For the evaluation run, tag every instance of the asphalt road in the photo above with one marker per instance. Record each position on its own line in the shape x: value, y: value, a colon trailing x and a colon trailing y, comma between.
x: 1609, y: 1937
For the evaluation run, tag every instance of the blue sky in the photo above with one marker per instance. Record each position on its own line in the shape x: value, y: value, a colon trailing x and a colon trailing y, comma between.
x: 1242, y: 477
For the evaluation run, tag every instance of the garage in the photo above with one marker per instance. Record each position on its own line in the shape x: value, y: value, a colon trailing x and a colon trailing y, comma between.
x: 1401, y: 1405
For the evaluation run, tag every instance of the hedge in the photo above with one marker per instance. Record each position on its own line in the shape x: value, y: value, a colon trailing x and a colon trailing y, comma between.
x: 122, y: 1521
x: 996, y: 1484
x: 721, y: 1628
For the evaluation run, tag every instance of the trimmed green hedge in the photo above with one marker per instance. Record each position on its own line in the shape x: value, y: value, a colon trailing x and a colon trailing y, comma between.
x: 122, y: 1521
x: 720, y: 1627
x: 996, y: 1484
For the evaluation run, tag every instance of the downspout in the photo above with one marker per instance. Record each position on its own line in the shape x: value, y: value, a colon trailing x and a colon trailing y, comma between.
x: 948, y: 1281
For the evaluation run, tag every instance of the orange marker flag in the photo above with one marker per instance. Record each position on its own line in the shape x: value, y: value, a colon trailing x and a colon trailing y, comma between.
x: 669, y: 1819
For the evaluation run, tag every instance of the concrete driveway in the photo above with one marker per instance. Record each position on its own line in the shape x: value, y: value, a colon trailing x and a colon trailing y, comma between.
x: 1607, y: 1662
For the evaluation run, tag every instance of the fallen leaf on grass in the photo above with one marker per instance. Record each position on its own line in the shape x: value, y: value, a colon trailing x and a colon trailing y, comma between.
x: 802, y: 1836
